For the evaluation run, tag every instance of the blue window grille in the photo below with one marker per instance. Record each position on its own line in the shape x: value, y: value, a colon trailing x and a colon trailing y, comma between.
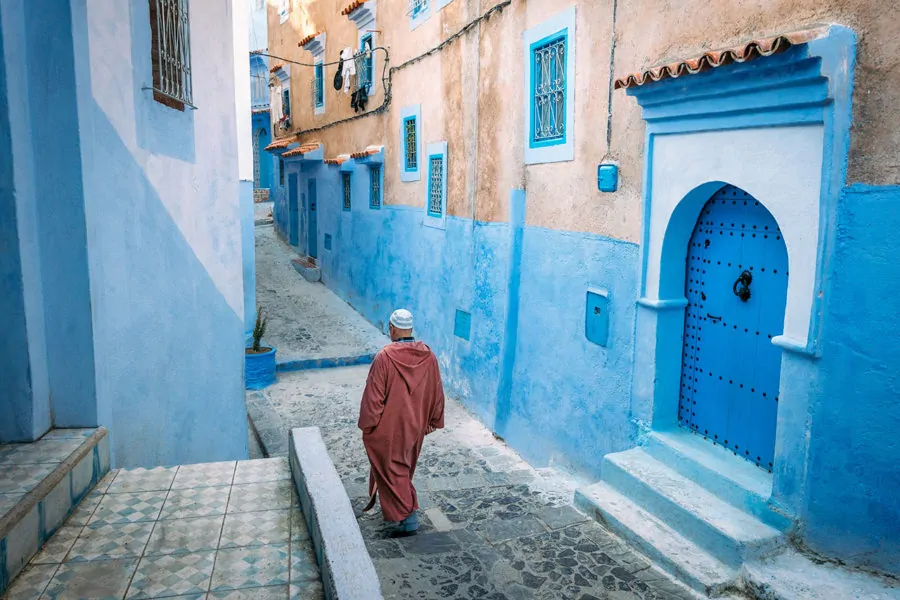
x: 346, y: 180
x: 318, y: 91
x: 365, y: 47
x: 417, y: 7
x: 410, y: 144
x: 375, y: 187
x: 436, y: 186
x: 280, y: 171
x: 548, y: 92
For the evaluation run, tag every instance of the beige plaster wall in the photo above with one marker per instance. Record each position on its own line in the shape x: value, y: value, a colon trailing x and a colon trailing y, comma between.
x: 472, y: 95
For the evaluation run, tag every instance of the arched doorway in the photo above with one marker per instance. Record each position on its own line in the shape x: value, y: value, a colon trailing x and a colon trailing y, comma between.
x: 736, y: 287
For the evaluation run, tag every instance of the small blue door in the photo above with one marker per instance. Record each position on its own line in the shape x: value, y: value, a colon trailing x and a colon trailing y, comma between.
x: 736, y: 286
x: 294, y: 207
x: 312, y: 229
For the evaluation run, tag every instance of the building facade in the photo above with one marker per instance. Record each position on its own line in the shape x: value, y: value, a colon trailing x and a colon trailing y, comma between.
x: 259, y: 104
x: 121, y: 224
x: 619, y: 241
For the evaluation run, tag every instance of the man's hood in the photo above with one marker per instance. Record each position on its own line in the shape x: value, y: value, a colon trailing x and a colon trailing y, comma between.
x: 412, y: 360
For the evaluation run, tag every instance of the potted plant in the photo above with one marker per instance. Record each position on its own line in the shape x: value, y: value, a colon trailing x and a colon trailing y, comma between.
x: 259, y: 360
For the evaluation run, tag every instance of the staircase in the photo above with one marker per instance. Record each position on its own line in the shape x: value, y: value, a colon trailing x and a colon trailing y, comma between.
x: 694, y: 508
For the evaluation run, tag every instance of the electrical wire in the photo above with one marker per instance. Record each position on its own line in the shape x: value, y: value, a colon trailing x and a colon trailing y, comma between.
x: 388, y: 73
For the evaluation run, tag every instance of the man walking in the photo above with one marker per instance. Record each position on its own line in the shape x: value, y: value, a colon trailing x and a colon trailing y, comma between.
x: 402, y: 403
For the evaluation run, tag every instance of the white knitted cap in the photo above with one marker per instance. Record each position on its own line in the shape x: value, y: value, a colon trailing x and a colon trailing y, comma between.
x: 402, y: 319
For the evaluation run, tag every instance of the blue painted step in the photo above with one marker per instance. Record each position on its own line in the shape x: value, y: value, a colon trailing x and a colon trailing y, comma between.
x: 663, y: 545
x: 738, y: 482
x: 723, y: 530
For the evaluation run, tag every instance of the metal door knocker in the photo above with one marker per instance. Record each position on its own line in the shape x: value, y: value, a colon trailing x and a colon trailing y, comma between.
x: 741, y: 287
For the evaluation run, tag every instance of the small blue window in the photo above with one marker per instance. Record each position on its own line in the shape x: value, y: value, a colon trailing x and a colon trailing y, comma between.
x: 417, y: 8
x: 280, y: 171
x: 365, y: 45
x: 346, y: 180
x: 549, y: 58
x: 375, y: 187
x: 410, y: 144
x: 319, y: 86
x: 436, y: 185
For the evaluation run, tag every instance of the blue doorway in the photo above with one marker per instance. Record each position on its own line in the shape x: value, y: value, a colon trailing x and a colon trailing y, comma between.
x: 312, y: 228
x: 294, y: 208
x: 736, y: 287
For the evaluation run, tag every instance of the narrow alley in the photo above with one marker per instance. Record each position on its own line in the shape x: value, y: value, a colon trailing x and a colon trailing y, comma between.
x: 492, y: 527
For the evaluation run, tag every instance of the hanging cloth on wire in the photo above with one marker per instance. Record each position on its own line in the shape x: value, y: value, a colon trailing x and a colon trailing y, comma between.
x: 339, y: 76
x: 348, y: 67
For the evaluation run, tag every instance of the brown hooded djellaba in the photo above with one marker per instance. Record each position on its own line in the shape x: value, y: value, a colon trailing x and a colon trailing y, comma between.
x: 402, y: 402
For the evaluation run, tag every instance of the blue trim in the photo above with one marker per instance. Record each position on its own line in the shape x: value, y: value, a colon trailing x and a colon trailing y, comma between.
x: 532, y: 143
x: 671, y: 304
x: 324, y: 363
x: 408, y: 113
x: 561, y: 25
x: 431, y: 213
x: 320, y: 81
x: 376, y: 172
x: 406, y: 167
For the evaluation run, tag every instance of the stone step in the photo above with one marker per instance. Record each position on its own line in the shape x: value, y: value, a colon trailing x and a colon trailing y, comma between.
x: 41, y: 484
x: 663, y: 545
x: 723, y: 530
x: 738, y: 482
x: 793, y: 576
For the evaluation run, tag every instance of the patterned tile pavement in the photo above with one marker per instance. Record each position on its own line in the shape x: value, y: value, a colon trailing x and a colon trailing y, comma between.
x: 491, y: 526
x: 164, y: 533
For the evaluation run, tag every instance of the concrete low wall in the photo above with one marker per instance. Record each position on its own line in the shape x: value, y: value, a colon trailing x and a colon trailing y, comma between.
x: 347, y: 570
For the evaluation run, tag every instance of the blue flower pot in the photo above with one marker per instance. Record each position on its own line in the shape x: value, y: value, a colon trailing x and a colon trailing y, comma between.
x: 259, y: 369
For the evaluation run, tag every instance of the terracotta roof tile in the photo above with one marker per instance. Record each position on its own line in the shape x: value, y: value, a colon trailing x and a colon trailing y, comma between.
x: 337, y: 160
x: 275, y: 67
x: 352, y: 6
x: 308, y: 39
x: 717, y: 58
x: 369, y: 151
x: 302, y: 149
x: 280, y: 144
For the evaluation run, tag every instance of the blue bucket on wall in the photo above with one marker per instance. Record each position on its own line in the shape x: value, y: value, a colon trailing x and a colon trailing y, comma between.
x: 259, y: 369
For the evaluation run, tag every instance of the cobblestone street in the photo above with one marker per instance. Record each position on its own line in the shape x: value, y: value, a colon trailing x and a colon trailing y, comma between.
x: 492, y: 526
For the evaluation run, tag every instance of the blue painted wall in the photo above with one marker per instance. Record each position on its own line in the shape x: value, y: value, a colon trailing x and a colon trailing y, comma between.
x: 853, y: 480
x: 588, y: 386
x: 164, y: 240
x: 16, y: 402
x: 60, y: 200
x: 382, y: 259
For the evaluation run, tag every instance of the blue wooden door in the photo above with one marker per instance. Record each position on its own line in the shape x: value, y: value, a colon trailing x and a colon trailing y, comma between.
x: 736, y: 286
x: 294, y: 208
x: 312, y: 228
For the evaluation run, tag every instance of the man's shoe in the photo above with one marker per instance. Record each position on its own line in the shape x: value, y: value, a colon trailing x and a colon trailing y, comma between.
x: 406, y: 528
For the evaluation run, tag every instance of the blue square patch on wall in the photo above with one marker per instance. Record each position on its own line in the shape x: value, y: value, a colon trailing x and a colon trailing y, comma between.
x: 596, y: 317
x: 463, y: 326
x: 328, y: 241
